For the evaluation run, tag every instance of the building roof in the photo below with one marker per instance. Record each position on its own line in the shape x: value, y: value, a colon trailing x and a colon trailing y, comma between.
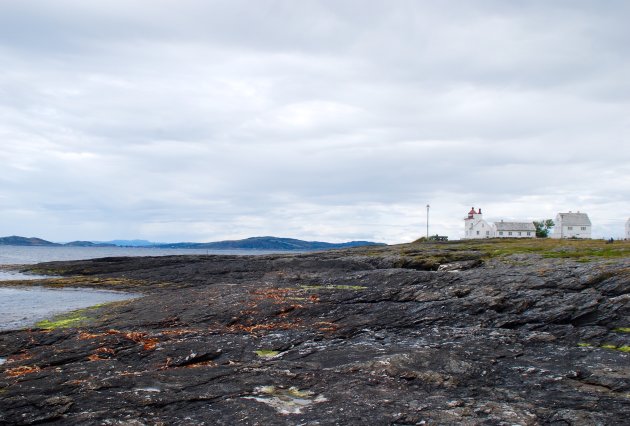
x: 515, y: 226
x: 573, y: 219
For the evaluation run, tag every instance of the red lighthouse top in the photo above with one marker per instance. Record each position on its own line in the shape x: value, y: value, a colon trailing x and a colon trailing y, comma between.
x: 473, y: 212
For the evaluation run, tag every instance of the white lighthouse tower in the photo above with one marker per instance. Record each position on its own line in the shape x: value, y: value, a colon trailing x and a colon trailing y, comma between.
x: 475, y: 227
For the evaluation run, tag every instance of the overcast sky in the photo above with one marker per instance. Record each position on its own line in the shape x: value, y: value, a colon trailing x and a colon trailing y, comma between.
x: 320, y: 120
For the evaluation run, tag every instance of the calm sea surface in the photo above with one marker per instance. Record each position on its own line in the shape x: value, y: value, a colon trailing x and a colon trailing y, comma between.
x: 24, y: 306
x: 17, y: 255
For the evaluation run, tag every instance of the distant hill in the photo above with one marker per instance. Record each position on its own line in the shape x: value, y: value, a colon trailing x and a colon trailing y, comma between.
x: 268, y: 243
x: 129, y: 243
x: 254, y: 243
x: 23, y: 241
x: 88, y: 244
x: 14, y: 240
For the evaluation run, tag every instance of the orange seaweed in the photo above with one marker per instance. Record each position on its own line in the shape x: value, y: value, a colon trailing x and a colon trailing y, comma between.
x: 22, y: 370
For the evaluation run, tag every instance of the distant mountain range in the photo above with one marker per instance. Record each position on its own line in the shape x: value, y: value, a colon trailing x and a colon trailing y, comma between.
x: 268, y: 243
x: 254, y: 243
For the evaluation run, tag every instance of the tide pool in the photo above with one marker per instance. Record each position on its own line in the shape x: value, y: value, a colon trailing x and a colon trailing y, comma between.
x: 22, y: 307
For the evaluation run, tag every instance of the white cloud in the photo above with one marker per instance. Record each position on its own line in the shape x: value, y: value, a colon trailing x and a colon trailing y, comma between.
x: 316, y: 119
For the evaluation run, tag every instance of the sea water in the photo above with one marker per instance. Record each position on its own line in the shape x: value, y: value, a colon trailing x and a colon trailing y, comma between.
x: 24, y: 306
x: 19, y: 255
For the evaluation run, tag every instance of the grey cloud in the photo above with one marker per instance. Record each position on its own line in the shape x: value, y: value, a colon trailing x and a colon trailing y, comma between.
x: 313, y: 119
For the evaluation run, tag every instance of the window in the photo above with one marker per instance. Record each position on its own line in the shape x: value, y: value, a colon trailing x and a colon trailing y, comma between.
x: 500, y: 232
x: 477, y: 232
x: 510, y: 233
x: 487, y: 232
x: 584, y: 228
x: 570, y: 228
x: 519, y: 233
x: 529, y: 233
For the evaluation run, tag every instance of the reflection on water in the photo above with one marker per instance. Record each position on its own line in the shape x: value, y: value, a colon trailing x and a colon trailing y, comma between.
x: 8, y: 275
x: 24, y: 306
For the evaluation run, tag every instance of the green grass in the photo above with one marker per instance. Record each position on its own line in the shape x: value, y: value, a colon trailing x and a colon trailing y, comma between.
x: 580, y: 250
x: 622, y: 330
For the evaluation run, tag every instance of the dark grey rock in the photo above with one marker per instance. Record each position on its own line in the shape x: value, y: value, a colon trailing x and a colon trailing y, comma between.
x: 348, y: 337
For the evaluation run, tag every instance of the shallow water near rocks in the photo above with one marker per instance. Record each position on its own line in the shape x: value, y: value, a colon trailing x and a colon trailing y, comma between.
x: 8, y: 275
x: 24, y: 306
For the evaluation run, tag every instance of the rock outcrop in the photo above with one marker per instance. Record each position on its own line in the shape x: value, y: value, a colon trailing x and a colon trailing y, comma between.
x: 421, y: 334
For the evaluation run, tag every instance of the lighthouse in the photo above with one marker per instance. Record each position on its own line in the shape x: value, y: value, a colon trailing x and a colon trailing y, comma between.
x: 475, y: 227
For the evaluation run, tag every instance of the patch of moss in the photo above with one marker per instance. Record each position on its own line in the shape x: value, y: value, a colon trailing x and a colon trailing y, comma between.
x: 623, y: 348
x: 266, y: 353
x: 622, y: 330
x: 608, y: 346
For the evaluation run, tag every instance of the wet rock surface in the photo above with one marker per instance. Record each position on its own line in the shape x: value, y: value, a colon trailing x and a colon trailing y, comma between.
x: 362, y: 336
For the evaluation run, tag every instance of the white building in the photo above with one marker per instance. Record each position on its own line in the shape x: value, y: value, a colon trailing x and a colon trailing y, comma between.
x: 572, y: 225
x: 476, y: 227
x: 515, y: 229
x: 627, y: 237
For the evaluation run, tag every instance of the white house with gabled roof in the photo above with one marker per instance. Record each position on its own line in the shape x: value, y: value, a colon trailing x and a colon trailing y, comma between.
x: 572, y: 225
x: 476, y: 227
x: 627, y: 237
x: 515, y: 229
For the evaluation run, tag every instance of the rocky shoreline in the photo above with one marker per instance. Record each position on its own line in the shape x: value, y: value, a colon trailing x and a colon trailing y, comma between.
x: 453, y: 333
